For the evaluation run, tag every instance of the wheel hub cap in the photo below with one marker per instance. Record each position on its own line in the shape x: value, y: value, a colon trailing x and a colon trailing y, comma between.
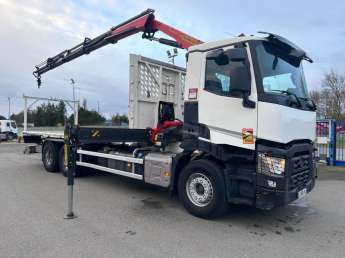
x: 199, y: 189
x: 49, y: 157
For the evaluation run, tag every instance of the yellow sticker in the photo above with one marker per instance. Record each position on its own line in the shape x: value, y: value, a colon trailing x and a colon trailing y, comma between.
x: 65, y: 155
x: 95, y: 133
x: 247, y: 136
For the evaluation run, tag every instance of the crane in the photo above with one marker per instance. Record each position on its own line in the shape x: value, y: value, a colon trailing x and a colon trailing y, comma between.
x: 144, y: 22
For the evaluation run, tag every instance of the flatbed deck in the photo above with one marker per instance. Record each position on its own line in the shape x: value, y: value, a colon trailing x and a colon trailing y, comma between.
x: 45, y: 134
x: 39, y: 136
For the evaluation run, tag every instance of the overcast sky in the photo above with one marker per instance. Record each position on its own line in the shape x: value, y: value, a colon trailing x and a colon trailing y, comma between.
x: 32, y: 30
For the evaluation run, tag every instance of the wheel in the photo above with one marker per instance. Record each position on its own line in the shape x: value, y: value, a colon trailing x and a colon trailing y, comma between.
x: 50, y: 156
x: 10, y: 136
x: 201, y: 189
x: 62, y: 168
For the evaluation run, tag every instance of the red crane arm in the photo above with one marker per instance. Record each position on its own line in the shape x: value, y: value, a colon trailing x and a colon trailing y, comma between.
x: 183, y: 39
x: 144, y: 22
x: 149, y: 25
x: 130, y: 27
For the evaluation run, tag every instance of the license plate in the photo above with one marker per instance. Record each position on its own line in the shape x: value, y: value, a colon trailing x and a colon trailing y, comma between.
x: 302, y: 193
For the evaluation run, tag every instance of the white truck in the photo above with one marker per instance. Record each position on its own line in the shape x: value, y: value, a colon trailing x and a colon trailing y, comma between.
x: 8, y: 130
x: 241, y: 131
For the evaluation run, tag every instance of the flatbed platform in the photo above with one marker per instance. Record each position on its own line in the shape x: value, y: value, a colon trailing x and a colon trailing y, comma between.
x: 44, y: 134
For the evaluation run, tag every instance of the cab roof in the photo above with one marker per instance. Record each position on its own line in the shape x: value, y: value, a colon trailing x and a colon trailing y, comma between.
x: 291, y: 48
x: 219, y: 43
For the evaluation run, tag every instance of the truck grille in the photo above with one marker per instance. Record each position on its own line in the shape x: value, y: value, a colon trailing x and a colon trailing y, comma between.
x: 299, y: 179
x: 300, y: 163
x: 301, y: 169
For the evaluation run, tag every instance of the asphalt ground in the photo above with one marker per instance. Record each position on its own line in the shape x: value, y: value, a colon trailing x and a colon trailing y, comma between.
x: 120, y: 217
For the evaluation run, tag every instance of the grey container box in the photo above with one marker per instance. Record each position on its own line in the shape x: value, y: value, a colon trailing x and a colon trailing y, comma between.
x: 158, y: 168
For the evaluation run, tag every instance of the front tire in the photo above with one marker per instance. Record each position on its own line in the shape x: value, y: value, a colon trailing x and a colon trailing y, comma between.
x: 10, y: 136
x: 201, y: 189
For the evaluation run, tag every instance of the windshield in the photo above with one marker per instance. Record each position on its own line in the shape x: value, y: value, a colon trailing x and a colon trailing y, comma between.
x: 280, y: 73
x: 13, y: 125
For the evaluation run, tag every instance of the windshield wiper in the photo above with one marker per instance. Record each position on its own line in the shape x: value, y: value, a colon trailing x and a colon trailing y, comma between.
x: 290, y: 94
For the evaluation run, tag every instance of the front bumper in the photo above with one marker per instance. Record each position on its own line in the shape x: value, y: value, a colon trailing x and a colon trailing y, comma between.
x: 267, y: 199
x: 300, y: 174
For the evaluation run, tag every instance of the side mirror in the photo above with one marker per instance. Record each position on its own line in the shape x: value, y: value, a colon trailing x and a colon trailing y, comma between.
x: 237, y: 54
x: 219, y: 57
x: 240, y: 80
x: 240, y: 83
x: 222, y: 57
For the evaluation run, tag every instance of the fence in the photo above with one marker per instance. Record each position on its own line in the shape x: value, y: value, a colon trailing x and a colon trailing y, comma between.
x: 330, y: 142
x: 322, y: 140
x: 340, y: 142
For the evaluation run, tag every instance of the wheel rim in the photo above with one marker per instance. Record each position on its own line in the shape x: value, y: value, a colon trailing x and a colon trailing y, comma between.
x: 199, y: 189
x: 48, y: 156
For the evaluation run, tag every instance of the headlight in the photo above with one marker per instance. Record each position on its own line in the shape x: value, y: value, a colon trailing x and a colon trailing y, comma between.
x: 270, y: 165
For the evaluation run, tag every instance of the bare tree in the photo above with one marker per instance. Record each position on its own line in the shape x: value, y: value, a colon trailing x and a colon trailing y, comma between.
x: 330, y: 100
x: 333, y: 95
x: 316, y: 96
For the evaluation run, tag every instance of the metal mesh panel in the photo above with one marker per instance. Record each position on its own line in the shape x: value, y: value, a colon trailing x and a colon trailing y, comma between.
x: 152, y: 81
x: 183, y: 84
x: 148, y: 77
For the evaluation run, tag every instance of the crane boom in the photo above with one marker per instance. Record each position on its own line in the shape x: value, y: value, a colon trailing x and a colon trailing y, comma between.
x: 144, y: 22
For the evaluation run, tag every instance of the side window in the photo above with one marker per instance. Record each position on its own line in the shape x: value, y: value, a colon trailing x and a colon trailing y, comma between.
x: 218, y: 73
x: 217, y: 77
x: 8, y: 124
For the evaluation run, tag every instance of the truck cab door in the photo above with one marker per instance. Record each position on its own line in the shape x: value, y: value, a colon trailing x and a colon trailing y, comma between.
x: 8, y: 127
x: 14, y: 128
x: 229, y: 113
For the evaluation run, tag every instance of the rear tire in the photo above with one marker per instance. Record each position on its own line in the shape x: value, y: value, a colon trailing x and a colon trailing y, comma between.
x: 201, y: 189
x: 50, y: 156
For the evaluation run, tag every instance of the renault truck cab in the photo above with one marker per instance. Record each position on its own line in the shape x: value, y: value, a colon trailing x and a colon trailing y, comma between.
x: 254, y: 114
